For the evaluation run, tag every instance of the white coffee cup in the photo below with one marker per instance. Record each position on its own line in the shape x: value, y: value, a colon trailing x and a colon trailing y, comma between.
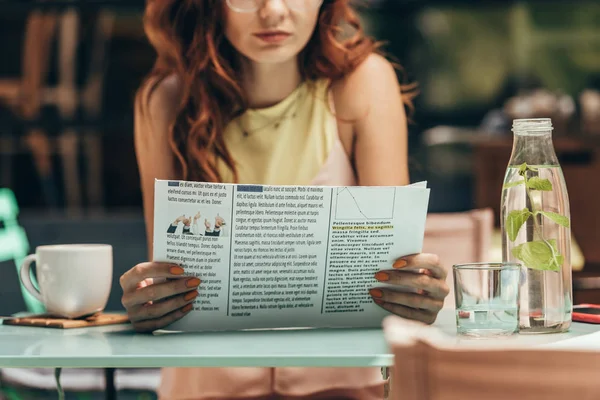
x: 74, y: 279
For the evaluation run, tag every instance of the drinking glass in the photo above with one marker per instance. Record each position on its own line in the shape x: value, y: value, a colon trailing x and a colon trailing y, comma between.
x: 487, y: 299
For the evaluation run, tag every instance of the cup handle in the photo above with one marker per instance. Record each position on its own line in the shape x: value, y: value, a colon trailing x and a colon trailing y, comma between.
x: 25, y: 274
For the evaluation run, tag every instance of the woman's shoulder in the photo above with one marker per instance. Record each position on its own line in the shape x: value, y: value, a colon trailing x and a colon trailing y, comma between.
x: 160, y: 95
x: 353, y: 94
x: 157, y: 103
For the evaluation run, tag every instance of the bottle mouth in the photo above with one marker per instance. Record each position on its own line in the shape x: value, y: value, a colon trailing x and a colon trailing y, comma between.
x: 532, y: 126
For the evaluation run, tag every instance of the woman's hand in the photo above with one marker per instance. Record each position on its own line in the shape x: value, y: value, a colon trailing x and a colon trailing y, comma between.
x: 421, y: 273
x: 152, y: 306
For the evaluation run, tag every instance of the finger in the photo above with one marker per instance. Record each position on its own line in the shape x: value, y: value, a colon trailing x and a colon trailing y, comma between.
x: 145, y: 282
x: 425, y: 316
x: 423, y: 261
x: 158, y: 309
x: 131, y: 279
x: 436, y: 288
x: 150, y: 325
x: 412, y: 300
x: 158, y: 291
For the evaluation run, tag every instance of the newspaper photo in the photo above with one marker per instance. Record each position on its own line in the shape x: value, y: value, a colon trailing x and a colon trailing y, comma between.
x: 285, y: 256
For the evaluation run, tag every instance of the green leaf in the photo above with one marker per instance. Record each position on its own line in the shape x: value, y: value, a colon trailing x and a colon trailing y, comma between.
x: 514, y: 221
x: 539, y: 255
x: 559, y: 219
x: 513, y: 184
x: 536, y: 183
x: 558, y: 261
x: 522, y: 169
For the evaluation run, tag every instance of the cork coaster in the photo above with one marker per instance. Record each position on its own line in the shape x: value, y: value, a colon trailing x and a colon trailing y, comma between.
x: 99, y: 319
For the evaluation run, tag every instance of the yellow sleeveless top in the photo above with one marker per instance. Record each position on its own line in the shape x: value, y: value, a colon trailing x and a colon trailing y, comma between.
x: 285, y: 144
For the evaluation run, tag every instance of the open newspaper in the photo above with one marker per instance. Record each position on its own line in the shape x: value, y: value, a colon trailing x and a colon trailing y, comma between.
x: 285, y: 256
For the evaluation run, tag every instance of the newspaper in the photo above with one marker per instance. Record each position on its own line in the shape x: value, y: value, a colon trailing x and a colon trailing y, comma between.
x: 285, y: 256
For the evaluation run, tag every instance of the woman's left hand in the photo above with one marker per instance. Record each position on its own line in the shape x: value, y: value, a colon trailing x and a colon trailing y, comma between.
x: 423, y: 274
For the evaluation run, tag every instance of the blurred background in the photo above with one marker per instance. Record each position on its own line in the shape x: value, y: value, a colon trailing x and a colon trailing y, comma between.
x: 69, y: 71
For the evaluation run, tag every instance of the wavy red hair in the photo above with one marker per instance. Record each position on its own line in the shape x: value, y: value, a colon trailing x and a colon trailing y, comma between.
x: 206, y: 64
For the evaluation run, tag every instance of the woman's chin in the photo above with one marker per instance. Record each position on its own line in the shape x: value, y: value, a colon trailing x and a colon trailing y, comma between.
x: 273, y: 55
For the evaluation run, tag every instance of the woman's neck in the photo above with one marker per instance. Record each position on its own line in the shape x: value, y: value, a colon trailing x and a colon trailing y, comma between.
x: 268, y: 84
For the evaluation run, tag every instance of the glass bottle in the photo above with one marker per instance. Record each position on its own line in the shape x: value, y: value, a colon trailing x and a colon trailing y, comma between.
x: 535, y: 221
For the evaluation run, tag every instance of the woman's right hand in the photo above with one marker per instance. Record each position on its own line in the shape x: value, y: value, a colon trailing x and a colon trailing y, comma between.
x: 152, y: 306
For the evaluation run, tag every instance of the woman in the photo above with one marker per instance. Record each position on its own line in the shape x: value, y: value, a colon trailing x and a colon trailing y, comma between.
x: 267, y: 91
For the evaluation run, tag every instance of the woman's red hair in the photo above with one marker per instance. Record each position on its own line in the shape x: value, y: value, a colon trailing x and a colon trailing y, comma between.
x: 188, y: 37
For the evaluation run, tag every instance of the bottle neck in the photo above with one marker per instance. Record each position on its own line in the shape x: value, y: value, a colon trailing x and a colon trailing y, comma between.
x: 533, y: 148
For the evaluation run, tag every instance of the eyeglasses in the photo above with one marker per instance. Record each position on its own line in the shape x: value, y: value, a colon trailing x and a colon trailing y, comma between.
x: 248, y: 6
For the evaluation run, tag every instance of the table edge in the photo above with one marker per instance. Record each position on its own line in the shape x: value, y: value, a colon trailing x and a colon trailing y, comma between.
x: 153, y: 361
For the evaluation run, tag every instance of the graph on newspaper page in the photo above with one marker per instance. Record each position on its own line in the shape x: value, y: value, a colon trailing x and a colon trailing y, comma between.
x: 364, y: 203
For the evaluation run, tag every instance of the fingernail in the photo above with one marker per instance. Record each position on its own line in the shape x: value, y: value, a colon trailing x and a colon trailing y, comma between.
x: 378, y: 302
x: 400, y: 264
x: 190, y: 296
x: 420, y: 291
x: 192, y: 282
x: 382, y: 276
x: 187, y: 308
x: 175, y: 270
x: 376, y: 293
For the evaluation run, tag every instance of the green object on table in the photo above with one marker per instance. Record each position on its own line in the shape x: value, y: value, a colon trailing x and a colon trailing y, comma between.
x: 14, y: 244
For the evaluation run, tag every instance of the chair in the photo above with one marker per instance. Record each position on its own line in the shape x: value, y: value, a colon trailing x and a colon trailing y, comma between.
x: 28, y: 94
x: 429, y: 366
x: 456, y: 238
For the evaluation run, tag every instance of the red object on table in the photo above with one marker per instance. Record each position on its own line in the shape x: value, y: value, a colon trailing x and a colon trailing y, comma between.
x: 589, y: 313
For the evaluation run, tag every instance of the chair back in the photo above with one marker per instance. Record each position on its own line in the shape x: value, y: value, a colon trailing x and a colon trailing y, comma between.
x: 456, y: 238
x: 429, y: 366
